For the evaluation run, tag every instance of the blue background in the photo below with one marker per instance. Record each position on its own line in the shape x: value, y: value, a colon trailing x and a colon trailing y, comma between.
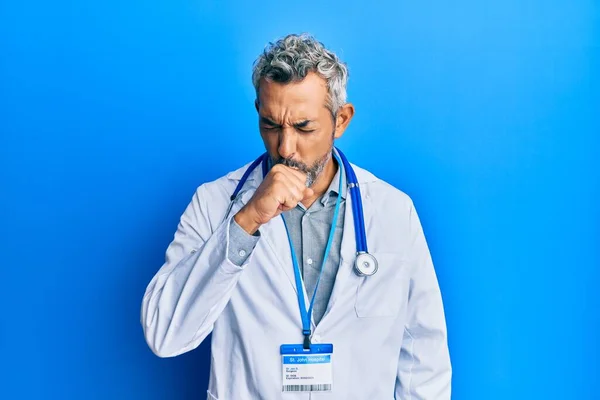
x: 113, y: 112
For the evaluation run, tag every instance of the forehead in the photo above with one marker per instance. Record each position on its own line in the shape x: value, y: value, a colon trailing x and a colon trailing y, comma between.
x: 306, y: 96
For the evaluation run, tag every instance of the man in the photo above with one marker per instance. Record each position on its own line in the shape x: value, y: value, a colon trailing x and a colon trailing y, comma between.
x: 248, y: 268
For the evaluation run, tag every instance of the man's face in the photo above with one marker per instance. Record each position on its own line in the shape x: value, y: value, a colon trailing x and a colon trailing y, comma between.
x: 295, y: 124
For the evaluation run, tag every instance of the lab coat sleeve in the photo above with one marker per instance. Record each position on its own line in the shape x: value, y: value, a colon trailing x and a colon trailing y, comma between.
x: 424, y: 369
x: 241, y: 243
x: 191, y: 289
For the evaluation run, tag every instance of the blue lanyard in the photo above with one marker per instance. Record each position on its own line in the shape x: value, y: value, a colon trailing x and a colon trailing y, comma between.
x: 304, y: 314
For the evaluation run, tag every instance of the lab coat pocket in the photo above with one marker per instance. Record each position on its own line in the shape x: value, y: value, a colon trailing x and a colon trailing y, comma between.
x: 382, y: 294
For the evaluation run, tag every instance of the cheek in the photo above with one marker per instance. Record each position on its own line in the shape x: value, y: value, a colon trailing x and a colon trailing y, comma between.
x: 267, y: 139
x: 312, y: 147
x: 271, y: 142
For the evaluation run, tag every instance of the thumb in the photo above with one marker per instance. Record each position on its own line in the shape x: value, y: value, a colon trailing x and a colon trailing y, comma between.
x: 308, y: 192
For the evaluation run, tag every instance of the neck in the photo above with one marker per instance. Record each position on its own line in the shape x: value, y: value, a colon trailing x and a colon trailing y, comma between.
x: 323, y: 181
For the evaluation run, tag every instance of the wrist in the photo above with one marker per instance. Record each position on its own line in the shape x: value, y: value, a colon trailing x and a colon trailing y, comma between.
x: 246, y: 220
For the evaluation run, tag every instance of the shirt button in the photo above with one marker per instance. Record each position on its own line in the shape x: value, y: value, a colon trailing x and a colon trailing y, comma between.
x: 309, y: 261
x: 242, y: 253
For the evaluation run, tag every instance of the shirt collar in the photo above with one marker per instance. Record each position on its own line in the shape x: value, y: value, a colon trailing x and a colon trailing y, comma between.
x: 332, y: 190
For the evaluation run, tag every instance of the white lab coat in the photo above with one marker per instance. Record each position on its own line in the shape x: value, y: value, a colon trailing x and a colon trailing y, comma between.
x: 388, y: 330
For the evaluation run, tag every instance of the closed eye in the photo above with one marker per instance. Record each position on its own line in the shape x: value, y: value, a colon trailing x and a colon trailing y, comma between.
x: 303, y: 126
x: 267, y: 124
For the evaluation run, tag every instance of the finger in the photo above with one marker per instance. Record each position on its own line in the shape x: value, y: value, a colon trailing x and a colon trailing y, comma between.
x: 285, y: 194
x: 293, y: 188
x: 294, y: 183
x: 303, y: 192
x: 284, y: 208
x: 295, y: 174
x: 290, y: 202
x: 307, y: 193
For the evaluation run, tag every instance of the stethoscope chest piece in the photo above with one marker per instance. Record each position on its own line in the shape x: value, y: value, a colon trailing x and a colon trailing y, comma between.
x: 365, y: 264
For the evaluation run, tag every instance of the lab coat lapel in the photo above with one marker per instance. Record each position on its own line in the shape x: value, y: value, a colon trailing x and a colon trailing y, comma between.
x: 347, y: 255
x: 275, y: 235
x: 348, y: 245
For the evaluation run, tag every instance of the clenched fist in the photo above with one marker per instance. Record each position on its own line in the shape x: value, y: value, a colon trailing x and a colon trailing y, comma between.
x: 281, y: 190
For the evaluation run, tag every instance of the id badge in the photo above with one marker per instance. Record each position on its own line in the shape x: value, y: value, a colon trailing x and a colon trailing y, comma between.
x: 307, y: 370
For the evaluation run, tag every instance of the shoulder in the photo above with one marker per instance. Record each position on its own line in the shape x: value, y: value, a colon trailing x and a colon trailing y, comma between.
x: 389, y: 211
x: 223, y: 187
x: 211, y: 199
x: 382, y: 192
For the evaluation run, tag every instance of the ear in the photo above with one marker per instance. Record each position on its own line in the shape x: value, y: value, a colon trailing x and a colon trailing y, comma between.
x: 344, y: 116
x: 256, y: 105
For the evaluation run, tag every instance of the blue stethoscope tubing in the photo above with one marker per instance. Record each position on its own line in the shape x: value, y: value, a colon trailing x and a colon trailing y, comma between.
x: 365, y: 263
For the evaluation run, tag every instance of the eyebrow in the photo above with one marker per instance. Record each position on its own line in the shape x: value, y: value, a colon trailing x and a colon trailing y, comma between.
x: 301, y: 124
x: 268, y: 121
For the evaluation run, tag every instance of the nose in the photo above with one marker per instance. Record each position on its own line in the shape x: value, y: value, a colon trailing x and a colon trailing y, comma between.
x: 287, y: 143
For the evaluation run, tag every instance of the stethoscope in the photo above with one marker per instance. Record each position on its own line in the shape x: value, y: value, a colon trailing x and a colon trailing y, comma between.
x: 365, y: 263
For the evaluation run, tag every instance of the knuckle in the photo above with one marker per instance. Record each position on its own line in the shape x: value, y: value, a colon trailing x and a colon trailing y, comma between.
x: 278, y: 168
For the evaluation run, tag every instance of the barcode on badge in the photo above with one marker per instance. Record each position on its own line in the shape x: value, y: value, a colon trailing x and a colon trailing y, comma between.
x: 307, y: 388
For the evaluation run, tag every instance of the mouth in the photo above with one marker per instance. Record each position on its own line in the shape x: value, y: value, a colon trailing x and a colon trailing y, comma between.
x: 296, y: 165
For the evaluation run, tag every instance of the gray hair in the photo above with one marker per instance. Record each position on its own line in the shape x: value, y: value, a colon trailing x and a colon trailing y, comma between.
x: 291, y: 58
